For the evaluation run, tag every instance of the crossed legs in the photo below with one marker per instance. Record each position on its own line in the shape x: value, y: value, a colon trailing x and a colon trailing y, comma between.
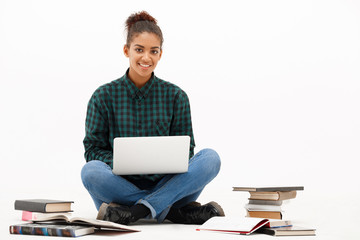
x: 173, y: 190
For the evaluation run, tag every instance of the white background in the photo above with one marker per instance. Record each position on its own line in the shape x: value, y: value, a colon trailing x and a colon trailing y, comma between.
x: 273, y: 85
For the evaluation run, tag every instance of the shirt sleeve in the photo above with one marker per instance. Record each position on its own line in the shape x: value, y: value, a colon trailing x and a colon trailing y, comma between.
x: 97, y: 146
x: 181, y: 123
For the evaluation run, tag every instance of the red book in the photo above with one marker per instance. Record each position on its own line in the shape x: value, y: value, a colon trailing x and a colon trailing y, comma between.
x: 243, y: 225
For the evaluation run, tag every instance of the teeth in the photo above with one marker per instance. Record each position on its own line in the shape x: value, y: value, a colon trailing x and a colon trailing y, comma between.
x: 144, y: 65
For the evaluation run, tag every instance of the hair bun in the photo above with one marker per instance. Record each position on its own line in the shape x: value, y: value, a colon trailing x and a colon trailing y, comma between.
x: 142, y: 22
x: 139, y: 16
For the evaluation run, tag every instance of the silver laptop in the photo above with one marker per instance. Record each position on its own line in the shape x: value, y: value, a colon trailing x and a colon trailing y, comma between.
x: 151, y: 155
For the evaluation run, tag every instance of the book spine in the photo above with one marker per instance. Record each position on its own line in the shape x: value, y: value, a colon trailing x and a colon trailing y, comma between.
x: 268, y: 208
x: 30, y: 206
x: 43, y: 231
x: 263, y: 214
x: 268, y: 196
x: 272, y: 196
x: 265, y: 202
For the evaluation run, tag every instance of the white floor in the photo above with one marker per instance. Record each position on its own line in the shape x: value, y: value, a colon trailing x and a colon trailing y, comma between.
x: 333, y: 215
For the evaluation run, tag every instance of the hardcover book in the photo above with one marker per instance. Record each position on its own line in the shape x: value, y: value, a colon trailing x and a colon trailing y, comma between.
x: 276, y: 196
x: 63, y: 218
x: 51, y: 230
x: 269, y: 189
x: 240, y: 225
x: 264, y: 214
x: 288, y: 231
x: 257, y: 207
x: 43, y: 205
x: 265, y: 202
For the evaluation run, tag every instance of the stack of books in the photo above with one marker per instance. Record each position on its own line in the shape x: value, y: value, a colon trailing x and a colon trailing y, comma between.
x: 264, y: 215
x: 246, y: 226
x: 266, y: 202
x: 53, y: 218
x: 33, y: 209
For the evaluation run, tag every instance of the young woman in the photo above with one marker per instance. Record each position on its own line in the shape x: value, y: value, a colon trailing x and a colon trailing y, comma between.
x: 141, y: 104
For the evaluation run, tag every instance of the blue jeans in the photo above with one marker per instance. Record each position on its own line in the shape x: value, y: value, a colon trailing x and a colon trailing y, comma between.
x: 173, y: 190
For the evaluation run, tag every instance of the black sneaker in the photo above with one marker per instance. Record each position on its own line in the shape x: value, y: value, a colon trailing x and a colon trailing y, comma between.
x: 194, y: 213
x: 115, y: 213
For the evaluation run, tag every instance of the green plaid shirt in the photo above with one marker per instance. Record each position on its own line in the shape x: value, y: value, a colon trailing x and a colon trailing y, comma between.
x: 120, y: 109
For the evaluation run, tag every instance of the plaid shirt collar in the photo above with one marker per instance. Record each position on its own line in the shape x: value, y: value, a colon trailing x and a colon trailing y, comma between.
x: 135, y: 92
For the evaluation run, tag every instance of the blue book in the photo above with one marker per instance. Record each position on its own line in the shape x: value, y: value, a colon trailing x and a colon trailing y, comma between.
x: 51, y: 229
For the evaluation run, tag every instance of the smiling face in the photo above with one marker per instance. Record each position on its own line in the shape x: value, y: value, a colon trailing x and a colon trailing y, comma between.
x: 144, y: 53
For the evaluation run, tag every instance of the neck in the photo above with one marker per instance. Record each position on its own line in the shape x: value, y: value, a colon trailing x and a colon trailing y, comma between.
x: 138, y: 80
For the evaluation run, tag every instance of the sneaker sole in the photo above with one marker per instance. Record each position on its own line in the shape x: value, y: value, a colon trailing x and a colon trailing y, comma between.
x: 102, y: 211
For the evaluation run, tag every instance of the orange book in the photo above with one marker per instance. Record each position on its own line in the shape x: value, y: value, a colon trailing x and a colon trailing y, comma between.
x: 276, y: 196
x: 264, y: 214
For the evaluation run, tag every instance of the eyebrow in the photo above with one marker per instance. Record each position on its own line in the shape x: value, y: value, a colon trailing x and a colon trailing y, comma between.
x: 144, y: 47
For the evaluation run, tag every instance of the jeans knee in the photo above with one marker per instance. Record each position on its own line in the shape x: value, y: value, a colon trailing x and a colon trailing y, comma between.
x: 212, y: 160
x: 91, y: 171
x: 215, y: 159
